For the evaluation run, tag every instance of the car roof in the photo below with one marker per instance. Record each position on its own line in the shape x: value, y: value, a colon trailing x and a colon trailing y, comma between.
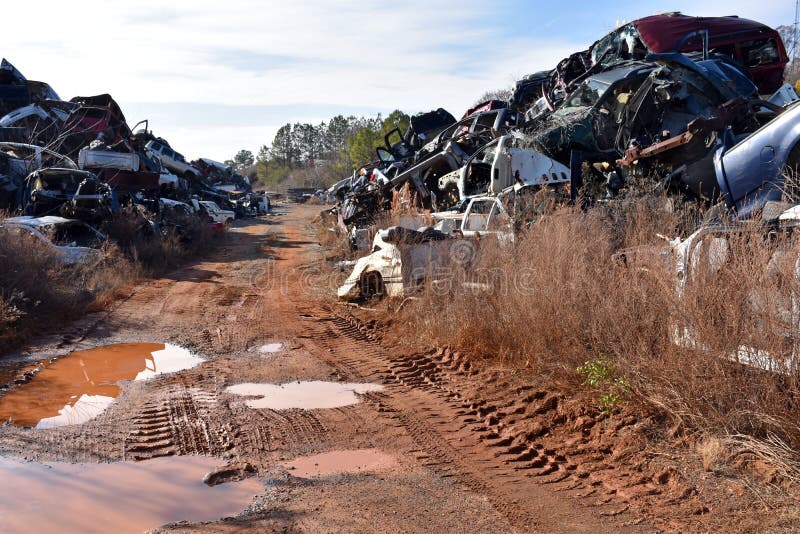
x: 170, y: 202
x: 661, y: 33
x: 38, y: 222
x: 217, y: 164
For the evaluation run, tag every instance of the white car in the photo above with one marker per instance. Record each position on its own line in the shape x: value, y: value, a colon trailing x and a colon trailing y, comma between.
x: 501, y: 164
x: 403, y: 258
x: 71, y: 240
x: 216, y: 213
x: 33, y: 113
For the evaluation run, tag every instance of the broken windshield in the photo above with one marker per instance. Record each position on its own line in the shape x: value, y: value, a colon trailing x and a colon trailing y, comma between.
x: 73, y: 235
x: 587, y: 95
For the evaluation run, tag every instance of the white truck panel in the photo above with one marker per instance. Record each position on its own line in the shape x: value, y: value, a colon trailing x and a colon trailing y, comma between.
x: 106, y: 159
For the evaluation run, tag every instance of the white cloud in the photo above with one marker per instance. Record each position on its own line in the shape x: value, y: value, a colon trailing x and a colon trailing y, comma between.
x: 407, y: 55
x: 414, y: 55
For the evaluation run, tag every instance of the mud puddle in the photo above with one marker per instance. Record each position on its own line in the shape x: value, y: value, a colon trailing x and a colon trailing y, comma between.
x: 81, y: 385
x: 341, y: 462
x: 308, y: 395
x: 120, y: 497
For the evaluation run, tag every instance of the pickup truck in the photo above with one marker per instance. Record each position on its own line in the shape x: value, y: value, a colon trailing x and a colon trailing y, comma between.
x: 403, y: 258
x: 498, y: 165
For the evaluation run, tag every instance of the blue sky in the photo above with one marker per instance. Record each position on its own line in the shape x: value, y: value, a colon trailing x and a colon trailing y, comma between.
x: 214, y: 77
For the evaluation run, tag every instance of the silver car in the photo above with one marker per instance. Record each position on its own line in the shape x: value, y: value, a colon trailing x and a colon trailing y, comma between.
x: 172, y: 160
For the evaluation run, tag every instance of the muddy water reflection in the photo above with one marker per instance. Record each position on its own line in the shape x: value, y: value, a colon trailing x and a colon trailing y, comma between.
x: 121, y: 497
x: 81, y: 385
x: 308, y: 395
x: 341, y: 462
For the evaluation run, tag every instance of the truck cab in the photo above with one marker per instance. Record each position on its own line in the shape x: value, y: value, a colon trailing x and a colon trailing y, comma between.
x: 487, y: 216
x: 501, y: 164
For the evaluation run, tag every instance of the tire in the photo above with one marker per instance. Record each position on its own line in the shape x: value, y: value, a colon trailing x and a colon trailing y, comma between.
x: 228, y: 222
x: 372, y: 286
x: 791, y: 185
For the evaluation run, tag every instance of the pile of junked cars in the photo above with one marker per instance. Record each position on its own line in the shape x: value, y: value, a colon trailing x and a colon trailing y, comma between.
x: 67, y: 168
x: 695, y: 105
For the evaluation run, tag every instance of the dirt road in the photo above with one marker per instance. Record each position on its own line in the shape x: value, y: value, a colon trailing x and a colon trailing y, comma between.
x: 442, y: 446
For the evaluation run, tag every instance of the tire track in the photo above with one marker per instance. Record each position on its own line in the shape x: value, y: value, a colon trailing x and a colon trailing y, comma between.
x: 488, y: 444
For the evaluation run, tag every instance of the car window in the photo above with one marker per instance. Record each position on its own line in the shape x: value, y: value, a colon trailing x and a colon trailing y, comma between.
x: 73, y: 235
x: 485, y: 121
x: 482, y: 207
x: 624, y: 43
x: 726, y: 50
x: 587, y: 94
x: 759, y: 52
x: 499, y: 221
x: 485, y: 155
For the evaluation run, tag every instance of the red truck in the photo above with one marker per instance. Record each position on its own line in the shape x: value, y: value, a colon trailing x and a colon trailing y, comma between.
x: 755, y: 46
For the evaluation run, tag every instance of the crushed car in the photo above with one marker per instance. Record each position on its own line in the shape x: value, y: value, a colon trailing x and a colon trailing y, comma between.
x: 72, y: 241
x: 402, y: 258
x: 500, y: 164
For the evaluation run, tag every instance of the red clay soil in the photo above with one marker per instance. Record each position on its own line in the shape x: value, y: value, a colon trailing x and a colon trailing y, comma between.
x: 464, y: 446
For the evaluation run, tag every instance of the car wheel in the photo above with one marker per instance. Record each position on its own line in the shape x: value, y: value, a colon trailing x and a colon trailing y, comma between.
x: 791, y: 188
x: 372, y: 286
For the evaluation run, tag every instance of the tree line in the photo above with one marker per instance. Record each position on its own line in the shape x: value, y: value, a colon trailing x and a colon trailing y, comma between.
x: 316, y: 155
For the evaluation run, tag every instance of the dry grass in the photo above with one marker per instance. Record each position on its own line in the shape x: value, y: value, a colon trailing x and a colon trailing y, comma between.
x: 153, y: 253
x: 37, y: 289
x: 559, y: 299
x: 711, y: 451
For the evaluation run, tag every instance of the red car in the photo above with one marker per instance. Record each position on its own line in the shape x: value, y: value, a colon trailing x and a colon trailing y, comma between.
x: 755, y: 46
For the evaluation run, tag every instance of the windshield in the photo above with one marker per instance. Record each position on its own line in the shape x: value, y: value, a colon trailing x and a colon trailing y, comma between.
x: 587, y: 94
x: 72, y: 235
x: 624, y: 43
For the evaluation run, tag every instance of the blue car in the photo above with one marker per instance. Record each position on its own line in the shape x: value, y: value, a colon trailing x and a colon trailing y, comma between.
x: 751, y: 171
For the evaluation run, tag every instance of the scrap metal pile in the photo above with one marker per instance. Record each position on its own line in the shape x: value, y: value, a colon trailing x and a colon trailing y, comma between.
x: 693, y: 105
x: 64, y: 162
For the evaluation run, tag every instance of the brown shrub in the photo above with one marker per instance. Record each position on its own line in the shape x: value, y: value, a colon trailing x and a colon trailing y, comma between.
x: 560, y: 298
x: 152, y: 252
x: 33, y: 285
x: 36, y: 289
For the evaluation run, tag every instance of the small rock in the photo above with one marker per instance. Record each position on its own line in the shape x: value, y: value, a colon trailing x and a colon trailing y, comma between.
x: 663, y: 477
x: 230, y: 473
